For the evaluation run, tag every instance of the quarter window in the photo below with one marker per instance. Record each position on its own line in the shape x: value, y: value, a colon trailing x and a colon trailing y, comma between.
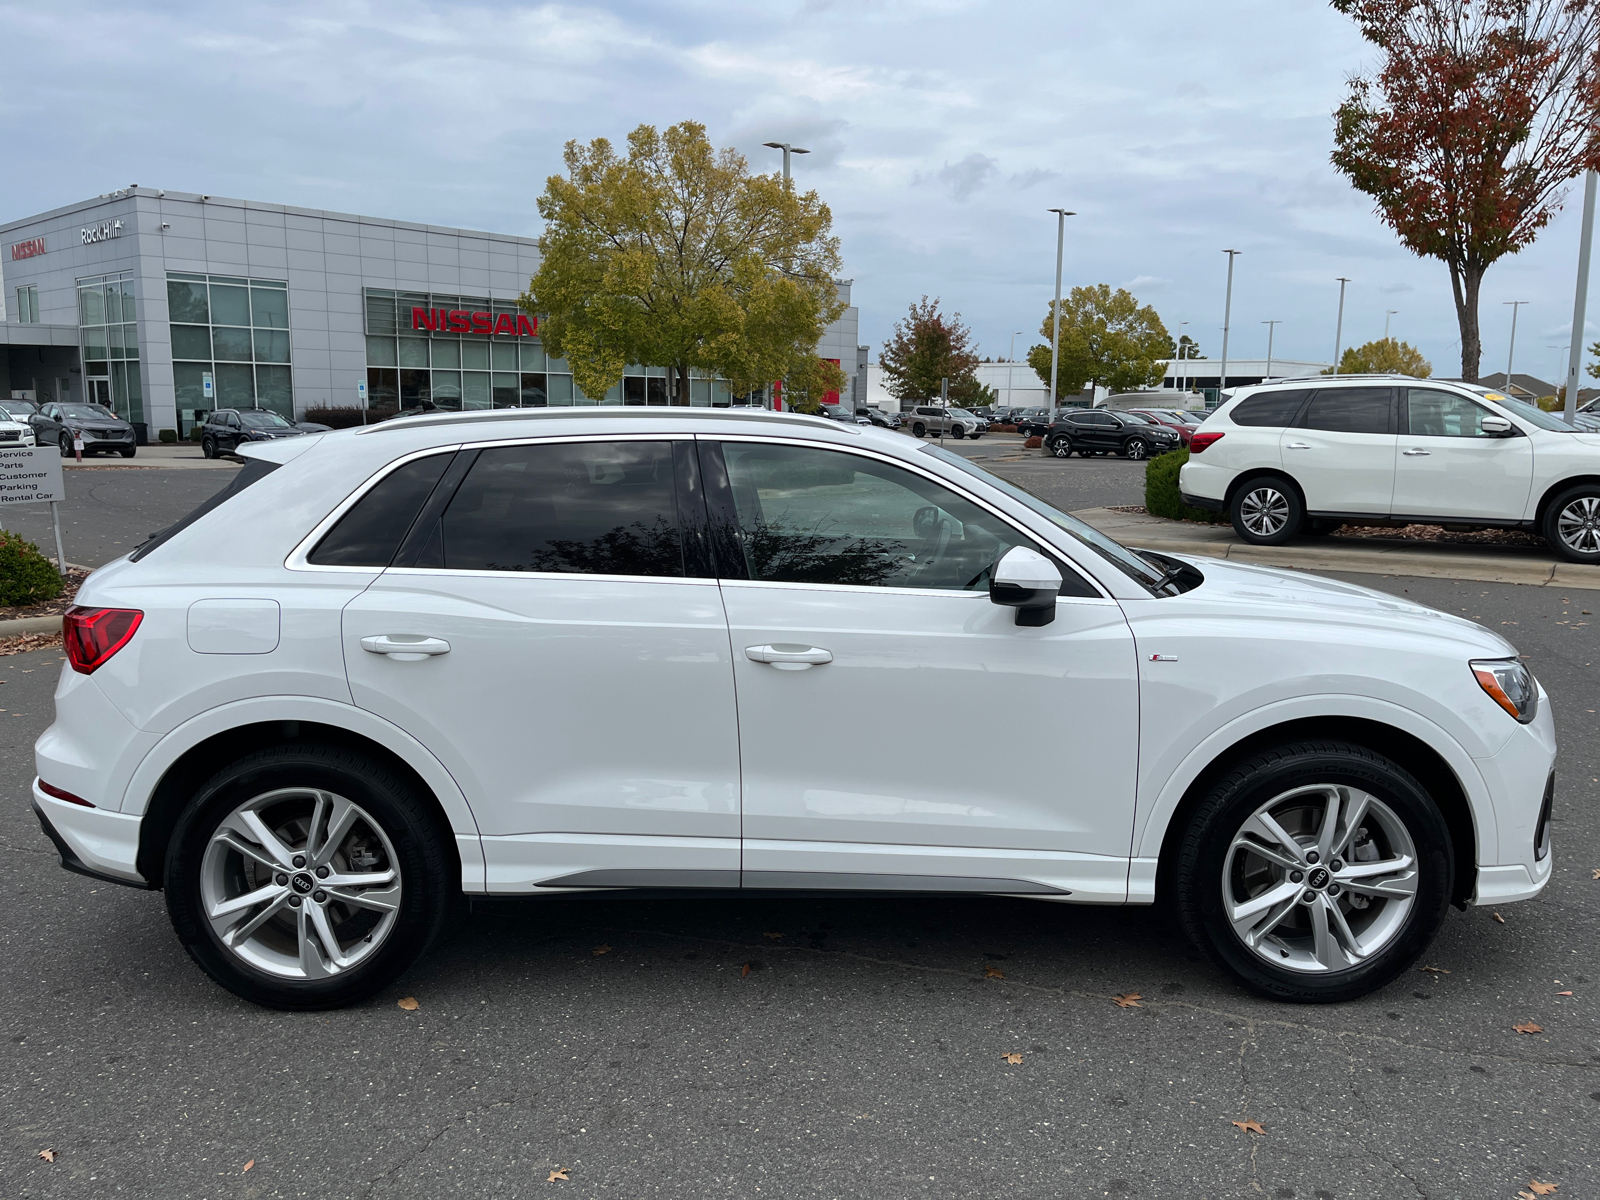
x: 585, y: 508
x: 1443, y: 414
x: 1268, y: 409
x: 370, y: 533
x: 1349, y: 410
x: 820, y: 516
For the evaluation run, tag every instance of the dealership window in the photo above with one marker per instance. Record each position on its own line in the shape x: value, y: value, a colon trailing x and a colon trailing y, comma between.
x: 234, y: 332
x: 455, y: 369
x: 28, y: 304
x: 109, y: 340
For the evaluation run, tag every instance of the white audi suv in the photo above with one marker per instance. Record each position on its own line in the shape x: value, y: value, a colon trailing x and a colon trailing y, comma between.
x: 545, y: 651
x: 1305, y: 456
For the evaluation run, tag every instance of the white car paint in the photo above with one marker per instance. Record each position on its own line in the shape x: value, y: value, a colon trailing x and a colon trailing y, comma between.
x: 585, y: 723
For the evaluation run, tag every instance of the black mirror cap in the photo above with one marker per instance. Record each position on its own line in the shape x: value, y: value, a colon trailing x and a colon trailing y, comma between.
x: 1035, y: 606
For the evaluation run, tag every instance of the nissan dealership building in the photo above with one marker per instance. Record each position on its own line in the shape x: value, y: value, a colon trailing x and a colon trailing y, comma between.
x: 162, y: 305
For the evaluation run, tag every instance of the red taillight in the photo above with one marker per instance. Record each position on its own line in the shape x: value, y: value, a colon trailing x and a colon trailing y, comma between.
x: 93, y: 635
x: 62, y: 794
x: 1201, y: 440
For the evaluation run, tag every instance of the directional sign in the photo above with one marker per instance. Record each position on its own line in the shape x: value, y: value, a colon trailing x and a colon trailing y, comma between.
x: 30, y: 473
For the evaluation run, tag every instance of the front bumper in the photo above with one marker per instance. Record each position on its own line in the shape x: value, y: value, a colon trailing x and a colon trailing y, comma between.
x: 91, y: 841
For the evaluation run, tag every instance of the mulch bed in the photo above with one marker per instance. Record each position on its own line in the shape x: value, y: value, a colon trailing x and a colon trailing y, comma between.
x: 1506, y: 538
x: 29, y: 641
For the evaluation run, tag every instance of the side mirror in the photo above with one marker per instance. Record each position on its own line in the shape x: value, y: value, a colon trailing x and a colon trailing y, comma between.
x: 1029, y: 582
x: 1495, y: 426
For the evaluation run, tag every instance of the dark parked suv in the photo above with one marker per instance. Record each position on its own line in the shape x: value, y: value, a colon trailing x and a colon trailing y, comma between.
x: 225, y: 428
x: 101, y: 429
x: 1101, y: 431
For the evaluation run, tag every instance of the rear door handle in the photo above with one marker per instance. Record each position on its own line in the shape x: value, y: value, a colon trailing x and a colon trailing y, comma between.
x: 1416, y: 453
x: 1297, y: 445
x: 789, y: 657
x: 405, y: 647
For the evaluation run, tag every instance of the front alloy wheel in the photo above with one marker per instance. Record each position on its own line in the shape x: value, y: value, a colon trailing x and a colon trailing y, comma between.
x: 1572, y: 524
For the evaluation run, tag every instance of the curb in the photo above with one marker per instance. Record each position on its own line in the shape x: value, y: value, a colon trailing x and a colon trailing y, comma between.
x: 21, y: 625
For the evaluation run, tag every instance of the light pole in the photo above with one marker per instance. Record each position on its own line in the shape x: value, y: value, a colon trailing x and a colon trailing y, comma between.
x: 1227, y: 313
x: 1580, y: 300
x: 1271, y: 329
x: 1512, y: 350
x: 1183, y: 357
x: 1055, y: 312
x: 1338, y: 328
x: 787, y: 151
x: 1387, y: 313
x: 1011, y: 357
x: 1563, y: 350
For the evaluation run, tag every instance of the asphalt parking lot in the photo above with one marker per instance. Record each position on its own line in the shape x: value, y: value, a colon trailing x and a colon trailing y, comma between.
x: 860, y: 1055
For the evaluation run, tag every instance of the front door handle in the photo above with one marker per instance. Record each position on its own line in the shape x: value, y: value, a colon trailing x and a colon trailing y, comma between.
x: 1297, y: 446
x: 789, y: 657
x: 1416, y: 453
x: 405, y: 647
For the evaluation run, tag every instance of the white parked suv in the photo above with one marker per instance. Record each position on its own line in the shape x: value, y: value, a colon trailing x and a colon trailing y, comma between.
x: 1305, y: 456
x: 539, y: 651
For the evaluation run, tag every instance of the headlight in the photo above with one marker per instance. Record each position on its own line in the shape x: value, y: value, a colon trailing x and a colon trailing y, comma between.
x: 1510, y: 685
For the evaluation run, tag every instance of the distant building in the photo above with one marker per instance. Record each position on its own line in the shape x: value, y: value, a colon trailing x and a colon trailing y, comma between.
x: 1198, y: 374
x: 1521, y: 387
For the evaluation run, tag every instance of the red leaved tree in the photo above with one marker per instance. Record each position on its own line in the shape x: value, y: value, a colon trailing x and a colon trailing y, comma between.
x: 1480, y: 112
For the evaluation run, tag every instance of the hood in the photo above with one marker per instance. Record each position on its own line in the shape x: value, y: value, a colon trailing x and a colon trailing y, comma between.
x: 93, y: 423
x: 1294, y: 595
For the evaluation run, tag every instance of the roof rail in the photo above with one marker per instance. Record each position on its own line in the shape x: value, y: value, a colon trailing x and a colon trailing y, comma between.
x: 586, y: 412
x: 1341, y: 375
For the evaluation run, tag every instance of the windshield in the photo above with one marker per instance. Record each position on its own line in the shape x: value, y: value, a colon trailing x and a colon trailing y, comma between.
x: 1112, y: 551
x: 18, y: 408
x: 263, y: 420
x: 1531, y: 413
x: 87, y: 412
x: 1136, y: 419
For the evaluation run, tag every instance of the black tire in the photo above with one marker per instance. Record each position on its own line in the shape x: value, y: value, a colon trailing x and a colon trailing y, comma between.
x: 129, y: 452
x: 208, y: 448
x: 426, y: 858
x: 1199, y: 880
x: 1572, y: 524
x: 1060, y: 446
x: 974, y: 436
x: 919, y: 430
x: 1266, y: 511
x: 958, y: 432
x: 66, y: 446
x: 1137, y: 449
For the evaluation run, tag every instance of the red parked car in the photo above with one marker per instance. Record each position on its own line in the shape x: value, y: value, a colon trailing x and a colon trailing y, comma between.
x: 1171, y: 418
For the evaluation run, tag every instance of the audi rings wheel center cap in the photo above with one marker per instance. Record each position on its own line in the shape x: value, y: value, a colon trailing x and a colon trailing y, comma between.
x: 1317, y: 878
x: 303, y: 884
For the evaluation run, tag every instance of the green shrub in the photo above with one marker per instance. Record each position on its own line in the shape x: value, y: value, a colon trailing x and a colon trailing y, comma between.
x: 1161, y: 497
x: 26, y: 576
x: 167, y: 437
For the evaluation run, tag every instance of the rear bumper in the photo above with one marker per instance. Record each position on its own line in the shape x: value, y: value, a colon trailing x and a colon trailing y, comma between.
x: 91, y: 841
x: 1205, y: 502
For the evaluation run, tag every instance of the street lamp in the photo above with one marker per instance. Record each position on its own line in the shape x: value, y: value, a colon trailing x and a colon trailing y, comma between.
x: 1183, y: 357
x: 1580, y: 299
x: 1387, y: 313
x: 1271, y: 329
x: 787, y: 151
x: 1011, y: 357
x: 1338, y: 329
x: 1055, y: 313
x: 1227, y: 314
x: 1511, y: 352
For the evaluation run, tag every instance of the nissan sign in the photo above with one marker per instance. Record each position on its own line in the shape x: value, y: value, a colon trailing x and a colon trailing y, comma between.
x: 459, y: 320
x: 31, y: 248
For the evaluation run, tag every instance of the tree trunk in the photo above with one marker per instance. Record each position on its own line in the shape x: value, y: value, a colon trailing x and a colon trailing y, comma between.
x: 681, y: 391
x: 1465, y: 282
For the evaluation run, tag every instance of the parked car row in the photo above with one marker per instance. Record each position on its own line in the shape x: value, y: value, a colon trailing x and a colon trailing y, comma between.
x: 1090, y: 431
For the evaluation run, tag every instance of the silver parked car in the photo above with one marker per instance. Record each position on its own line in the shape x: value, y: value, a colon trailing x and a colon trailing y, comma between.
x: 925, y: 420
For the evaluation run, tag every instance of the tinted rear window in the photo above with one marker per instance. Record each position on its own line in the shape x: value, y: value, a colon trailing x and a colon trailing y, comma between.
x: 370, y: 533
x: 1350, y: 410
x: 1269, y: 408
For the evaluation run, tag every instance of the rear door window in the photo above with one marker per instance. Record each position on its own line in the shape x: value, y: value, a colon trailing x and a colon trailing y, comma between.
x: 1351, y: 410
x: 1268, y: 409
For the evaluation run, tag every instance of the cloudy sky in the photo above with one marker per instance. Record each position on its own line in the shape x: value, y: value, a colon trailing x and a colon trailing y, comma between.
x: 941, y: 131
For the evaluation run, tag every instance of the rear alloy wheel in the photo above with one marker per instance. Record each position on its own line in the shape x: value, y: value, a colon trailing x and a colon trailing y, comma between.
x: 1061, y: 446
x: 1266, y: 512
x: 307, y: 877
x: 1315, y: 872
x: 1137, y: 449
x: 1572, y: 524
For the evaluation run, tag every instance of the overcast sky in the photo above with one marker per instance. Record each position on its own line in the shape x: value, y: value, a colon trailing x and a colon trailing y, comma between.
x: 941, y: 131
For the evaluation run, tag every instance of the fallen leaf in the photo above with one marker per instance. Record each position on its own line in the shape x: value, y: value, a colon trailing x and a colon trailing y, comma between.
x: 559, y: 1173
x: 1498, y: 917
x: 1436, y: 970
x: 409, y: 1004
x: 1563, y: 993
x: 1131, y: 1000
x: 249, y: 1164
x: 1596, y: 873
x: 744, y: 970
x: 601, y: 949
x: 1250, y: 1127
x: 1528, y: 1027
x: 993, y: 973
x: 1012, y: 1058
x: 773, y: 936
x: 1541, y: 1189
x: 48, y: 1155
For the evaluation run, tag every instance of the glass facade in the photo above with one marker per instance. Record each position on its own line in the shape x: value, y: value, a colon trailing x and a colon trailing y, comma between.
x: 467, y: 369
x: 109, y: 340
x: 28, y: 304
x: 234, y: 332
